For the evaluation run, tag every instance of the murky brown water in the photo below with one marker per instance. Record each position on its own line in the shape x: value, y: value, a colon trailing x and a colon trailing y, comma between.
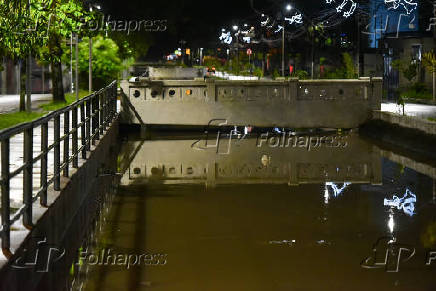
x: 249, y: 215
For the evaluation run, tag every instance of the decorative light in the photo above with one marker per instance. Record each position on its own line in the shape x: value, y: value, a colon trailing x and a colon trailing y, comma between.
x: 297, y: 18
x: 235, y: 27
x: 351, y: 4
x: 288, y: 7
x: 264, y: 23
x: 226, y: 37
x: 408, y: 6
x: 279, y: 28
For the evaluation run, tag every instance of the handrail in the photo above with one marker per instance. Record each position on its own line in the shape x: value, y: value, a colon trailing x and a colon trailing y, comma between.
x: 97, y: 111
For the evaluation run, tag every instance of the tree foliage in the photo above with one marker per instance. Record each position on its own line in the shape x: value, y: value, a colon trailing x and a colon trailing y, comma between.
x: 429, y: 61
x: 106, y: 63
x: 408, y: 68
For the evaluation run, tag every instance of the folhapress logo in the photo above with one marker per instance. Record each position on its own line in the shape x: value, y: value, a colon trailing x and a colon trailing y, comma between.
x: 390, y: 255
x: 39, y: 259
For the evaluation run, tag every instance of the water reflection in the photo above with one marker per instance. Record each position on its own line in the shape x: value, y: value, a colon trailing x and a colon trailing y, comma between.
x: 250, y: 161
x: 262, y: 223
x: 336, y: 190
x: 405, y: 203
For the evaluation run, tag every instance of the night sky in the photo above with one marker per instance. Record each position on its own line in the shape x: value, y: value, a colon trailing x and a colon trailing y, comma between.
x: 197, y: 22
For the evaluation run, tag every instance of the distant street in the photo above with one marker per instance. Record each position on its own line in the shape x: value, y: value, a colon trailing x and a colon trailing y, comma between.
x: 11, y: 103
x: 418, y: 110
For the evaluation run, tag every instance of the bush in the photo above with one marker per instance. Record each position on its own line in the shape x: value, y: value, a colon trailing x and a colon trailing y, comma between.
x: 300, y: 74
x: 346, y: 71
x: 258, y: 72
x: 417, y: 91
x: 106, y: 63
x: 276, y: 74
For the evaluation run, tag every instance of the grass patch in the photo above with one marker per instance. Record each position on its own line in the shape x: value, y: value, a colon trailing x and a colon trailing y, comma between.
x: 69, y: 98
x: 417, y: 95
x: 416, y: 91
x: 11, y: 119
x: 432, y: 119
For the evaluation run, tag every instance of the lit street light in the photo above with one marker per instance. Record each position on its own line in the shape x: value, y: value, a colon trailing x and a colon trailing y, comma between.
x: 288, y: 8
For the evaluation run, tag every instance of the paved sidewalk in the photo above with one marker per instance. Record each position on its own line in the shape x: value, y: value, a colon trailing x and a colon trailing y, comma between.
x: 11, y: 103
x: 410, y: 109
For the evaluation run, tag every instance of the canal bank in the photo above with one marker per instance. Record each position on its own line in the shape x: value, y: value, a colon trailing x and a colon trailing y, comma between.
x: 410, y: 134
x: 43, y: 261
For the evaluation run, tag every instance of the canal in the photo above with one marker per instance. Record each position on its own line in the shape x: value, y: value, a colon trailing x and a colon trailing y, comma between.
x: 285, y: 211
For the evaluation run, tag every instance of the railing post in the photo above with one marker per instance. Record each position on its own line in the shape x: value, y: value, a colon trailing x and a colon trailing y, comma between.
x: 96, y: 108
x: 101, y: 111
x: 83, y: 129
x: 92, y: 103
x: 44, y: 162
x: 88, y: 124
x: 27, y: 177
x: 114, y: 100
x: 6, y: 208
x: 66, y: 143
x: 75, y: 145
x: 57, y: 154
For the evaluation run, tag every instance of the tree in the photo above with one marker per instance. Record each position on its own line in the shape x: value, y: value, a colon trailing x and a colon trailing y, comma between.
x: 408, y: 68
x: 62, y: 18
x: 18, y: 37
x: 429, y: 62
x: 106, y: 61
x: 38, y: 28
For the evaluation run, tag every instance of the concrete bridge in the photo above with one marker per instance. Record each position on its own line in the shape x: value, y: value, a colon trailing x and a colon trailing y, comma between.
x: 292, y: 103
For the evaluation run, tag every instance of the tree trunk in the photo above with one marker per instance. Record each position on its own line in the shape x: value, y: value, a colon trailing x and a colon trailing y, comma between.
x: 56, y: 77
x: 22, y: 67
x: 56, y: 68
x: 434, y: 85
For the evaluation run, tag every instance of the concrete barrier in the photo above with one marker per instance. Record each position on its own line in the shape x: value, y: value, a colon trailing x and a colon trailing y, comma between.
x: 175, y: 73
x: 64, y: 225
x: 293, y: 103
x: 426, y: 126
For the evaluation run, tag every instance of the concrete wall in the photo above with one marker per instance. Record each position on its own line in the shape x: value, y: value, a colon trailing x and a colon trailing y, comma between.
x: 424, y: 125
x: 294, y: 103
x: 65, y: 223
x: 176, y: 73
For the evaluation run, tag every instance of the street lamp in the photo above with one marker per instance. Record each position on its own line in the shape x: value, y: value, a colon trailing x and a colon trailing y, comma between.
x: 201, y: 56
x: 98, y: 7
x: 288, y: 8
x: 236, y: 28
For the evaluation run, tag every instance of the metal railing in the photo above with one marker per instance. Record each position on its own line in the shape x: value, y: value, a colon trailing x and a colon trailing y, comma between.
x: 97, y: 111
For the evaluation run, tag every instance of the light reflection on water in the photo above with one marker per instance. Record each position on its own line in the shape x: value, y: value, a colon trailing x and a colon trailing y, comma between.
x: 269, y: 218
